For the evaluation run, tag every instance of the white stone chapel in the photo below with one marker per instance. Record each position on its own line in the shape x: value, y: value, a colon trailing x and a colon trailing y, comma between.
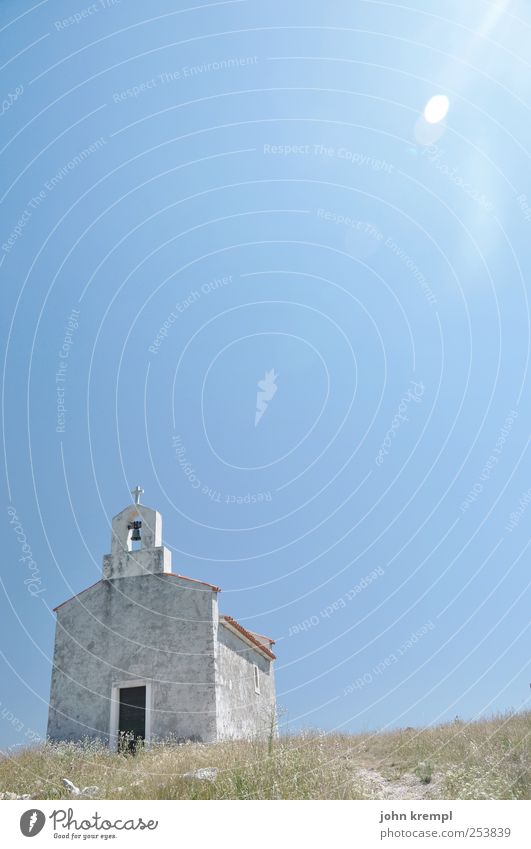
x: 145, y: 653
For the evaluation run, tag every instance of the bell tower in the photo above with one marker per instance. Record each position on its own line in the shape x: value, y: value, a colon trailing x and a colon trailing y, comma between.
x: 136, y: 545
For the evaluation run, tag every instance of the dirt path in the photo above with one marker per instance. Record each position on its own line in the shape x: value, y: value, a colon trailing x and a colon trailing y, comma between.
x: 406, y: 786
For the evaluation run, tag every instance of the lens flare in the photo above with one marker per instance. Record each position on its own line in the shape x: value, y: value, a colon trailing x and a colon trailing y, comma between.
x: 436, y: 108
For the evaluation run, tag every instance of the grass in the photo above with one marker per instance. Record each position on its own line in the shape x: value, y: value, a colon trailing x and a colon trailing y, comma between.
x: 490, y: 759
x: 424, y: 772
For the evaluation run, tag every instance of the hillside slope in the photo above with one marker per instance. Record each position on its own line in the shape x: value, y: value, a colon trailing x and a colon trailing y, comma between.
x: 490, y: 759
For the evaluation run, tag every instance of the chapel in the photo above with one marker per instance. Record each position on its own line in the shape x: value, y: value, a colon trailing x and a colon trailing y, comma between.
x: 145, y: 655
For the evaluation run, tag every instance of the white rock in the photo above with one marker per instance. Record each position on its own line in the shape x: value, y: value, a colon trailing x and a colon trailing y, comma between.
x: 90, y: 791
x: 8, y: 795
x: 207, y: 773
x: 75, y: 791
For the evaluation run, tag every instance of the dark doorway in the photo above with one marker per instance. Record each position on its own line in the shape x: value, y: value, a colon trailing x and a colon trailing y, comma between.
x: 132, y: 718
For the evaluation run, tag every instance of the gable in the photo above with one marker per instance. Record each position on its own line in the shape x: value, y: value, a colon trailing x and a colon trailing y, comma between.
x: 247, y: 637
x: 182, y: 578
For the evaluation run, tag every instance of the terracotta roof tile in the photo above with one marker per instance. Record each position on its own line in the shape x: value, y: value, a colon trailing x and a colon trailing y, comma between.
x: 263, y: 636
x: 248, y: 635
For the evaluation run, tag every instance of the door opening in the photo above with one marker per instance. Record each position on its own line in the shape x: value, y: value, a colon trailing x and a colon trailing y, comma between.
x: 132, y: 718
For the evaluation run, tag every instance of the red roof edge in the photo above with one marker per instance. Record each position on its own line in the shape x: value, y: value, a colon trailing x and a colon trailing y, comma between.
x: 249, y: 636
x: 195, y: 581
x: 263, y: 636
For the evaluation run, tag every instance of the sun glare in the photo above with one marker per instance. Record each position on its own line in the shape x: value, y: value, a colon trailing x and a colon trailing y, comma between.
x: 436, y: 108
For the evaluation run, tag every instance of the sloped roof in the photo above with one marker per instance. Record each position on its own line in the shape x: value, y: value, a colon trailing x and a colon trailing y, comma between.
x: 78, y: 594
x: 172, y: 574
x: 248, y: 635
x: 228, y: 621
x: 263, y: 637
x: 195, y: 581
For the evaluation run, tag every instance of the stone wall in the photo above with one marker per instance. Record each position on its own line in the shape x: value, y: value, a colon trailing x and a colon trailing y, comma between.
x: 241, y: 711
x: 156, y: 627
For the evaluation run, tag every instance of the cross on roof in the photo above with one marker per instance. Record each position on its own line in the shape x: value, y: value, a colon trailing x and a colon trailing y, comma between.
x: 136, y: 493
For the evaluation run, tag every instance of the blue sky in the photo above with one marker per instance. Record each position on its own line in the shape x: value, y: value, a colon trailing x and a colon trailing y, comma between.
x: 201, y: 198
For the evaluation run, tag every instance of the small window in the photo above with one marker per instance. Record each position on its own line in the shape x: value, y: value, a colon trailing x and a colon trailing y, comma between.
x: 256, y: 672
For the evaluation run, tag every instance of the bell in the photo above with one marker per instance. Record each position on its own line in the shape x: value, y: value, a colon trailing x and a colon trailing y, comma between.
x: 135, y: 527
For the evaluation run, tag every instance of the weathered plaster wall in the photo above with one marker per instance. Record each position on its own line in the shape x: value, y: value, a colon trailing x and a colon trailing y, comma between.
x: 241, y: 711
x: 151, y: 532
x: 123, y: 561
x: 131, y: 564
x: 156, y: 627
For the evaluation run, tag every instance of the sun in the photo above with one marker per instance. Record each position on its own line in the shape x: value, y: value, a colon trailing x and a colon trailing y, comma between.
x: 436, y: 108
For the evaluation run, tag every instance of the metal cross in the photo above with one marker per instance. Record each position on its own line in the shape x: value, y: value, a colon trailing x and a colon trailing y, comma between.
x: 136, y: 493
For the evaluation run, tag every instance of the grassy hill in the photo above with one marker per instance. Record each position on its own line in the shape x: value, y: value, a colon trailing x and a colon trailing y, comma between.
x: 490, y: 759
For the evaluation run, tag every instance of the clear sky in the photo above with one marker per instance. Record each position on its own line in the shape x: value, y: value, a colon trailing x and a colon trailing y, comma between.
x: 198, y: 197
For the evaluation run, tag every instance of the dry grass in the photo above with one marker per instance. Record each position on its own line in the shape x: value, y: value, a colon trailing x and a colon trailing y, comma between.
x: 490, y: 759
